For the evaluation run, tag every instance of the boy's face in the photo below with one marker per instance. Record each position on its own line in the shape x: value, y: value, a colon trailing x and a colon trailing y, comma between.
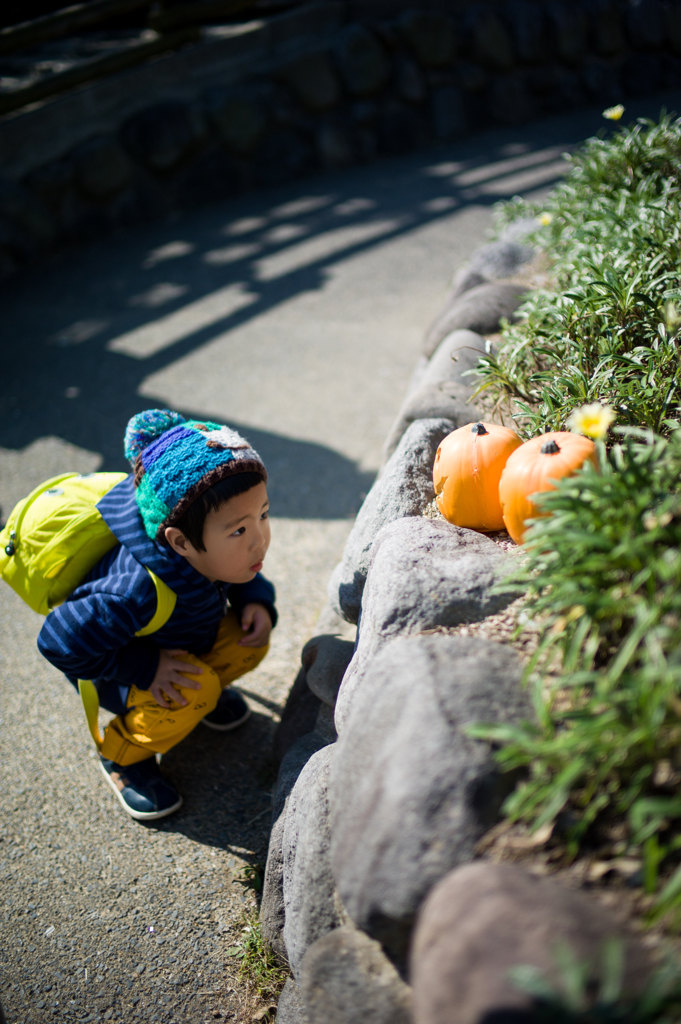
x: 236, y: 537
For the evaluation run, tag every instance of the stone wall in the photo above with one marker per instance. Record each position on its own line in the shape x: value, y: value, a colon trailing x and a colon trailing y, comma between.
x: 323, y: 86
x: 372, y: 889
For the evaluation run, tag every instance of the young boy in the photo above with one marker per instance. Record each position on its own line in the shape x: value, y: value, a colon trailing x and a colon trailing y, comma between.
x: 195, y: 514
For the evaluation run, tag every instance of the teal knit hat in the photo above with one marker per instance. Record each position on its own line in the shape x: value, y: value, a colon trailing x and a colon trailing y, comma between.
x: 175, y: 460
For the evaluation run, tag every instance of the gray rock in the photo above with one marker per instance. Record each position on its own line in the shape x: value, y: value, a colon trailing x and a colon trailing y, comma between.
x: 492, y: 45
x: 345, y: 978
x: 239, y: 121
x: 27, y: 213
x: 290, y: 1009
x: 298, y: 717
x: 518, y: 230
x: 443, y: 390
x: 362, y: 61
x: 101, y: 167
x: 272, y: 903
x: 313, y: 80
x: 672, y: 17
x: 311, y: 906
x: 162, y: 135
x: 292, y: 765
x: 569, y: 26
x: 400, y: 129
x: 472, y: 77
x: 404, y: 488
x: 431, y: 35
x: 272, y: 911
x: 447, y: 400
x: 644, y: 23
x: 606, y: 30
x: 325, y: 725
x: 480, y: 309
x: 602, y: 81
x: 423, y: 574
x: 410, y: 792
x: 409, y: 81
x: 325, y: 659
x: 508, y: 100
x: 335, y: 145
x: 527, y: 24
x: 280, y: 157
x: 483, y: 919
x: 501, y: 259
x: 449, y: 118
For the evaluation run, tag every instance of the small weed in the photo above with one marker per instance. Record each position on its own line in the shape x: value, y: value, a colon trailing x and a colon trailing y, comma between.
x: 259, y: 965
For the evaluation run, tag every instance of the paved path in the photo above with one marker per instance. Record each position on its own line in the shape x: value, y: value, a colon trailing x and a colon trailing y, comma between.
x: 296, y: 316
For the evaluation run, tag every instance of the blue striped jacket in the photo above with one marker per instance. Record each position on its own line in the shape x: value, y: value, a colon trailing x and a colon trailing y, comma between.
x: 92, y: 635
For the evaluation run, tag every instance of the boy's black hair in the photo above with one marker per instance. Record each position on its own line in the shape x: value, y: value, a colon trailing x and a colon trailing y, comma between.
x: 192, y: 521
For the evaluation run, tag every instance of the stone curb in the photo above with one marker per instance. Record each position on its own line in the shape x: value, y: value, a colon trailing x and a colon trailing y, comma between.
x: 381, y: 824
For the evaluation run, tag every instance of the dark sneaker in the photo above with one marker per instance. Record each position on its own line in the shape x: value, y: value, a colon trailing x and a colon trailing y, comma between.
x: 142, y: 790
x: 231, y: 711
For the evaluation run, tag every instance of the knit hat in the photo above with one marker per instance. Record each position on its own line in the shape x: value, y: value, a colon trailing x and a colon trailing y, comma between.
x: 175, y: 460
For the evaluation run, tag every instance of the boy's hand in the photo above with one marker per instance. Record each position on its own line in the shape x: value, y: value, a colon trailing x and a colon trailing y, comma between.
x: 257, y: 624
x: 167, y: 673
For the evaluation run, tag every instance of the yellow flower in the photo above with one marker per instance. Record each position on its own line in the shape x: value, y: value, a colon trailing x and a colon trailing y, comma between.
x: 545, y: 218
x: 614, y: 113
x: 592, y: 420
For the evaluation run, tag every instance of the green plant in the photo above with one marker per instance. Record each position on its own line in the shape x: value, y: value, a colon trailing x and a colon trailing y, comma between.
x: 570, y: 1001
x: 609, y: 330
x: 259, y: 964
x: 603, y: 576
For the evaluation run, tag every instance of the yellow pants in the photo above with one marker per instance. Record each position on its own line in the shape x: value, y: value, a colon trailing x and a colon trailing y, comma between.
x: 147, y: 728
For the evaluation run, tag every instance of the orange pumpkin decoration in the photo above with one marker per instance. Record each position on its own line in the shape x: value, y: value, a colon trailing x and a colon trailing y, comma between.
x: 533, y: 467
x: 466, y: 474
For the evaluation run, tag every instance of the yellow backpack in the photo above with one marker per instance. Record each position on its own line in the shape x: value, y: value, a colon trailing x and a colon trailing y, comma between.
x: 51, y: 541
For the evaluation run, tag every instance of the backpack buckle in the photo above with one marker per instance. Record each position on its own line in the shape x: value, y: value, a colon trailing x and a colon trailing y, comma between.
x: 11, y: 547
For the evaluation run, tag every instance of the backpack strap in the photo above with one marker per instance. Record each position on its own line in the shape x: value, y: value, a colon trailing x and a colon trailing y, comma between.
x: 165, y: 605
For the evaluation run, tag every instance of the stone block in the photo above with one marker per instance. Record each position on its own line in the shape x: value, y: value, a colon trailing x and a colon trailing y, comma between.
x: 472, y: 77
x: 410, y: 792
x: 431, y: 35
x: 335, y: 145
x: 101, y: 167
x: 345, y: 978
x: 313, y: 80
x: 163, y: 135
x: 672, y: 18
x: 645, y: 25
x: 311, y: 906
x: 480, y: 309
x: 483, y: 919
x: 290, y: 1009
x: 449, y: 116
x: 568, y: 27
x: 409, y: 81
x: 602, y: 82
x: 239, y: 121
x: 399, y: 129
x: 213, y: 176
x: 528, y: 30
x: 325, y: 659
x: 492, y: 45
x: 298, y: 717
x: 362, y: 61
x: 423, y: 574
x: 325, y: 725
x: 404, y: 488
x: 442, y: 391
x: 605, y: 27
x: 641, y: 74
x: 280, y: 157
x: 26, y: 216
x: 508, y: 100
x: 272, y: 903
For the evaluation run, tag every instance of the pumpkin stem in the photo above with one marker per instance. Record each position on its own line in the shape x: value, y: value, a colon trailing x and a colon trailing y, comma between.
x: 549, y: 448
x: 479, y: 428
